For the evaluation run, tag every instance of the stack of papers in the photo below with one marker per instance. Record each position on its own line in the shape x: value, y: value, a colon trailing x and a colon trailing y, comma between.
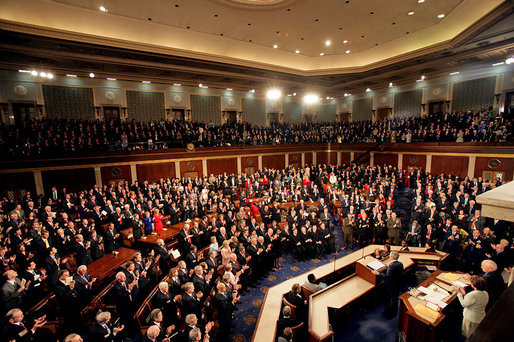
x: 434, y: 294
x: 451, y: 276
x: 376, y: 265
x: 426, y: 311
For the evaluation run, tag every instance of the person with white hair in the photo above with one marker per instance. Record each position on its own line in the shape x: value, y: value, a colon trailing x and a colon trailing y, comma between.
x: 392, y: 278
x: 167, y: 303
x: 103, y: 329
x: 83, y: 283
x: 125, y: 295
x: 13, y: 290
x: 152, y: 334
x: 73, y: 338
x: 16, y: 326
x: 164, y: 252
x: 495, y: 284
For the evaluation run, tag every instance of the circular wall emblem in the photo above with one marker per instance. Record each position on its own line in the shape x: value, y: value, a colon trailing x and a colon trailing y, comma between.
x: 294, y: 157
x: 494, y: 163
x: 177, y: 99
x: 190, y: 147
x: 110, y: 95
x: 414, y: 159
x: 437, y: 91
x: 230, y: 102
x: 20, y: 90
x: 116, y: 171
x: 249, y: 161
x: 383, y: 99
x: 191, y: 166
x: 344, y: 106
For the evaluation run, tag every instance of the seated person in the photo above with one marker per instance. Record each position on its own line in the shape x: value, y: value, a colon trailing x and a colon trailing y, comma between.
x: 286, y: 321
x: 312, y: 284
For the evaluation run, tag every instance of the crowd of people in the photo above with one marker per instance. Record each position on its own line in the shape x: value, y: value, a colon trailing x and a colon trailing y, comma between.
x: 52, y: 137
x: 244, y: 242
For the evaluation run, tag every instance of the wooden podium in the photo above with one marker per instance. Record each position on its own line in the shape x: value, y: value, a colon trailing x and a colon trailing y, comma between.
x: 364, y: 271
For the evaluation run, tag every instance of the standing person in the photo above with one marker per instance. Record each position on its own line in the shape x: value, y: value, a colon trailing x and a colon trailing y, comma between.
x: 348, y: 228
x: 391, y: 277
x: 393, y: 229
x: 157, y: 219
x: 148, y: 221
x: 474, y: 304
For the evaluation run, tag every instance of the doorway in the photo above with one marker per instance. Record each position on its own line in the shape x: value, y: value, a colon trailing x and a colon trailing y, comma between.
x: 344, y: 117
x: 23, y: 111
x: 435, y: 107
x: 382, y: 113
x: 273, y: 118
x: 177, y: 114
x: 230, y: 116
x: 308, y: 118
x: 111, y: 113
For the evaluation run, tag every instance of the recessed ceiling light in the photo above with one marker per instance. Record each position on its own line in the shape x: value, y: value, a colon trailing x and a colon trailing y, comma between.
x: 421, y: 1
x: 111, y: 79
x: 294, y: 94
x: 24, y: 71
x: 289, y: 95
x: 200, y: 85
x: 509, y: 60
x: 49, y: 75
x: 33, y: 73
x: 273, y: 94
x: 347, y: 94
x: 368, y: 90
x: 71, y: 75
x: 390, y: 84
x: 347, y: 51
x: 297, y: 51
x: 92, y: 75
x: 103, y: 9
x: 229, y: 89
x: 345, y: 41
x: 499, y: 63
x: 177, y: 84
x: 423, y: 77
x: 411, y: 13
x: 310, y: 98
x: 441, y: 16
x: 322, y: 54
x: 454, y: 73
x: 42, y: 74
x: 328, y: 42
x: 146, y: 82
x: 275, y: 46
x: 252, y: 91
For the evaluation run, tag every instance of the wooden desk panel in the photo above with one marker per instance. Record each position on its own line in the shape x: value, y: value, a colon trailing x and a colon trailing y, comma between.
x: 107, y: 264
x: 166, y: 235
x: 335, y: 296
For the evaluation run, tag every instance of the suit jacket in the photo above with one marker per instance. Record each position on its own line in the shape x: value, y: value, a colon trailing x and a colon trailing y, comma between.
x: 392, y: 277
x: 474, y: 304
x: 82, y: 254
x: 167, y: 305
x: 190, y: 304
x: 286, y: 322
x: 10, y: 295
x: 100, y: 333
x: 68, y: 298
x: 12, y: 332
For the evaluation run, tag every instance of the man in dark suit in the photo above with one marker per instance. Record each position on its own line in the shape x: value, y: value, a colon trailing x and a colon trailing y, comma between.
x: 17, y: 329
x: 52, y: 264
x: 392, y: 278
x: 165, y: 259
x: 81, y: 248
x: 167, y: 303
x: 191, y: 301
x: 68, y: 300
x: 112, y: 240
x: 286, y: 321
x: 83, y: 283
x: 125, y: 295
x: 295, y: 297
x: 103, y: 330
x: 225, y: 303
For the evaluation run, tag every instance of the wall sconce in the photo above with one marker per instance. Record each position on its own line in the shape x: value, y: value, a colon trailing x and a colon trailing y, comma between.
x: 497, y: 97
x: 373, y: 111
x: 423, y: 105
x: 447, y: 102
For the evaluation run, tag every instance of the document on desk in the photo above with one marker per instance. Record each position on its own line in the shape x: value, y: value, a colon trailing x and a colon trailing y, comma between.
x: 375, y: 265
x: 434, y: 295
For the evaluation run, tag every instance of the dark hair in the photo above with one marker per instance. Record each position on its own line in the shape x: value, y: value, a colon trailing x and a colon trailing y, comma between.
x: 311, y: 278
x: 478, y: 282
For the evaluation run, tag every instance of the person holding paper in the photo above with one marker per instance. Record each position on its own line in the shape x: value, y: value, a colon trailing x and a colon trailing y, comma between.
x: 474, y: 304
x: 391, y: 277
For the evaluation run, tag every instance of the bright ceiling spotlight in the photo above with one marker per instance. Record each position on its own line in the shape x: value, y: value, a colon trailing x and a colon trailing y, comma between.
x: 310, y: 98
x: 368, y: 90
x: 33, y: 73
x: 411, y: 13
x: 42, y: 74
x: 49, y: 76
x: 103, y: 9
x: 509, y: 60
x: 273, y: 94
x: 347, y: 51
x: 322, y: 54
x: 328, y: 42
x: 147, y: 82
x: 252, y: 91
x: 111, y: 78
x: 92, y: 75
x: 297, y: 51
x: 275, y: 46
x: 345, y: 41
x: 71, y: 75
x: 454, y: 73
x: 441, y: 16
x: 390, y: 84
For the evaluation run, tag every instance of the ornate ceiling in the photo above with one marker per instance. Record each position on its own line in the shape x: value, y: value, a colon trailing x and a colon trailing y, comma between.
x: 231, y: 42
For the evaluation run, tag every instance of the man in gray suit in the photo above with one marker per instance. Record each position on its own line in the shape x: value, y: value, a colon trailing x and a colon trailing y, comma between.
x: 13, y: 291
